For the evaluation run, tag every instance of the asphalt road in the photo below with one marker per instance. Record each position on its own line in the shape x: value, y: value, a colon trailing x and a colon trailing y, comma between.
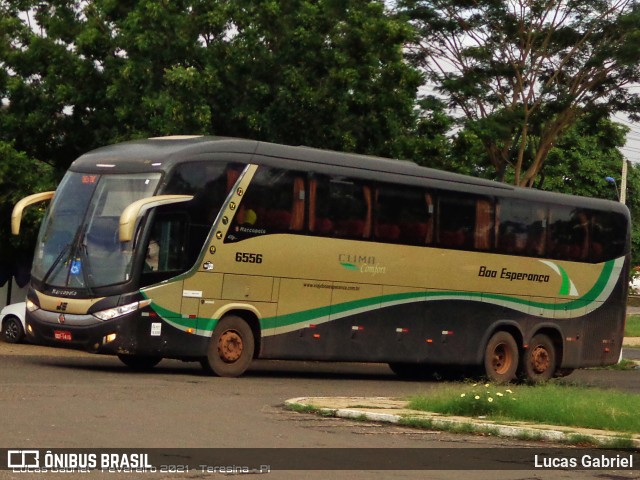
x: 51, y: 398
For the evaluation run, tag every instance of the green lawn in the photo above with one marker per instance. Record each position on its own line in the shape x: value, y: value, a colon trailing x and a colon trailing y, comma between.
x: 550, y: 403
x: 632, y: 329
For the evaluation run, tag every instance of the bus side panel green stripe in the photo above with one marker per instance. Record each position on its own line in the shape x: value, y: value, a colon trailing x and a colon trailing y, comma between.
x: 600, y: 291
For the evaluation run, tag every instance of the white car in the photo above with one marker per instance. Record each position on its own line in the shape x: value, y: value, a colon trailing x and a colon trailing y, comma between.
x: 12, y: 318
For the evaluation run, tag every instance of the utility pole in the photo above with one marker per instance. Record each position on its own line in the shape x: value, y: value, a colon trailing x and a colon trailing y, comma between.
x: 623, y: 182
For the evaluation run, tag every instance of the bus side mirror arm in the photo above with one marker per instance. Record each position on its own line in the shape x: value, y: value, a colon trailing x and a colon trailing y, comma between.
x: 16, y: 215
x: 137, y: 208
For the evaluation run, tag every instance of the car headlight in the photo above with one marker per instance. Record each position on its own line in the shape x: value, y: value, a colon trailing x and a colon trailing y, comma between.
x: 32, y: 307
x: 111, y: 313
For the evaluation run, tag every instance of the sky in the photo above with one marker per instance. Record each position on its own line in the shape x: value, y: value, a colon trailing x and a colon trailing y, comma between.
x: 632, y: 149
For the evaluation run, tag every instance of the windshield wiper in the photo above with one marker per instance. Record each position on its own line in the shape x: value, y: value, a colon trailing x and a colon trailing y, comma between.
x: 85, y: 264
x: 78, y: 243
x: 69, y: 250
x: 66, y: 248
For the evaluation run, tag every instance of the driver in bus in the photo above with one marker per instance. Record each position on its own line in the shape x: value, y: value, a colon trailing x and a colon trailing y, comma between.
x: 153, y: 256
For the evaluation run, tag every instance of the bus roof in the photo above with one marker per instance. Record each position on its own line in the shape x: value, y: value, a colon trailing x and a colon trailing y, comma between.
x: 163, y: 153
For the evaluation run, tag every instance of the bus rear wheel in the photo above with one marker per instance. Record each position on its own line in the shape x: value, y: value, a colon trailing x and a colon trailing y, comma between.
x: 135, y: 362
x: 230, y: 349
x: 501, y: 358
x: 539, y: 363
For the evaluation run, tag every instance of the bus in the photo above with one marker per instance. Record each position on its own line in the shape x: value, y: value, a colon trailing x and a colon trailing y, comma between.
x: 223, y: 250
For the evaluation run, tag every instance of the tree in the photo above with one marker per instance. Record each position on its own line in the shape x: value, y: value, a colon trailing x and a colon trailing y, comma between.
x: 52, y: 93
x: 578, y: 165
x: 522, y: 72
x: 19, y: 174
x: 75, y: 75
x: 324, y: 73
x: 586, y: 154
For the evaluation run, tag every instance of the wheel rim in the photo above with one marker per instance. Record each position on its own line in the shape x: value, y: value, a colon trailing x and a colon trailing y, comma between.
x: 502, y: 359
x: 11, y: 331
x: 230, y: 346
x: 540, y: 359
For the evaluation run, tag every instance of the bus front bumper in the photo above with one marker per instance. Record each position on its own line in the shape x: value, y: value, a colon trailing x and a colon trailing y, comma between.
x: 83, y: 332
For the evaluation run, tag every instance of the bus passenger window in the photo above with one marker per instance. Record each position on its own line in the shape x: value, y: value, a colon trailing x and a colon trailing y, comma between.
x: 456, y: 221
x: 608, y: 236
x: 569, y: 234
x: 340, y: 207
x: 521, y: 228
x: 209, y: 183
x: 274, y: 203
x: 403, y: 215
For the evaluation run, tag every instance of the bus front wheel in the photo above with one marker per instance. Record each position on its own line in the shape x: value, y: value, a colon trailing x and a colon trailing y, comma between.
x: 501, y: 358
x: 539, y: 363
x: 230, y: 349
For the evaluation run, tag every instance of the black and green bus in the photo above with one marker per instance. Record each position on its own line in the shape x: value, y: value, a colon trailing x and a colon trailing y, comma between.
x: 223, y: 250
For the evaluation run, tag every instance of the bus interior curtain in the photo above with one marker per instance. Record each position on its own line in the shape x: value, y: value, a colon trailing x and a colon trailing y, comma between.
x: 297, y: 210
x: 376, y: 225
x: 483, y: 225
x: 366, y: 190
x: 429, y: 234
x: 232, y: 177
x: 313, y: 189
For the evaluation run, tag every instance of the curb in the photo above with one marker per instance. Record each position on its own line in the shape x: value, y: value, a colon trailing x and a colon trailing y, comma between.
x: 394, y: 411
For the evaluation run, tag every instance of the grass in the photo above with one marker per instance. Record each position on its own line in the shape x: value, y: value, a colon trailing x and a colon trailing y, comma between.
x: 632, y: 328
x: 623, y: 364
x: 300, y: 408
x: 546, y: 404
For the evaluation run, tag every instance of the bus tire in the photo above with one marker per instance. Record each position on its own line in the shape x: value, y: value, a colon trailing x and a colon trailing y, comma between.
x: 539, y: 363
x: 230, y: 349
x: 501, y: 358
x: 139, y: 363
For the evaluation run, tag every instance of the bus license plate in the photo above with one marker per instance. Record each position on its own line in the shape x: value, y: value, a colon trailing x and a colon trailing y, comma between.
x: 62, y: 335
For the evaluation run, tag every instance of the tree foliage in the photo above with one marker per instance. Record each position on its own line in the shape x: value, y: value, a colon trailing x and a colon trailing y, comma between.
x: 19, y: 174
x: 75, y: 75
x: 322, y: 73
x: 522, y: 72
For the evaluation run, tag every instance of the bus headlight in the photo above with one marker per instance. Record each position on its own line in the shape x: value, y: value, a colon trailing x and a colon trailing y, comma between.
x: 32, y: 307
x: 111, y: 313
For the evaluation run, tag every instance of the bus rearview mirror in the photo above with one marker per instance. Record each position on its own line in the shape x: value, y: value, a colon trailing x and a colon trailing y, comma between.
x: 134, y: 210
x: 16, y: 215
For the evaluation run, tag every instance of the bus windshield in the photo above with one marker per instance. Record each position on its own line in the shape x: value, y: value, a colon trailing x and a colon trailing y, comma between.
x: 78, y: 245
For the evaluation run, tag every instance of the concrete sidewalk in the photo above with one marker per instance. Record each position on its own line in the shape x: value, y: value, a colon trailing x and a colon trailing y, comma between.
x: 391, y: 410
x: 631, y: 342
